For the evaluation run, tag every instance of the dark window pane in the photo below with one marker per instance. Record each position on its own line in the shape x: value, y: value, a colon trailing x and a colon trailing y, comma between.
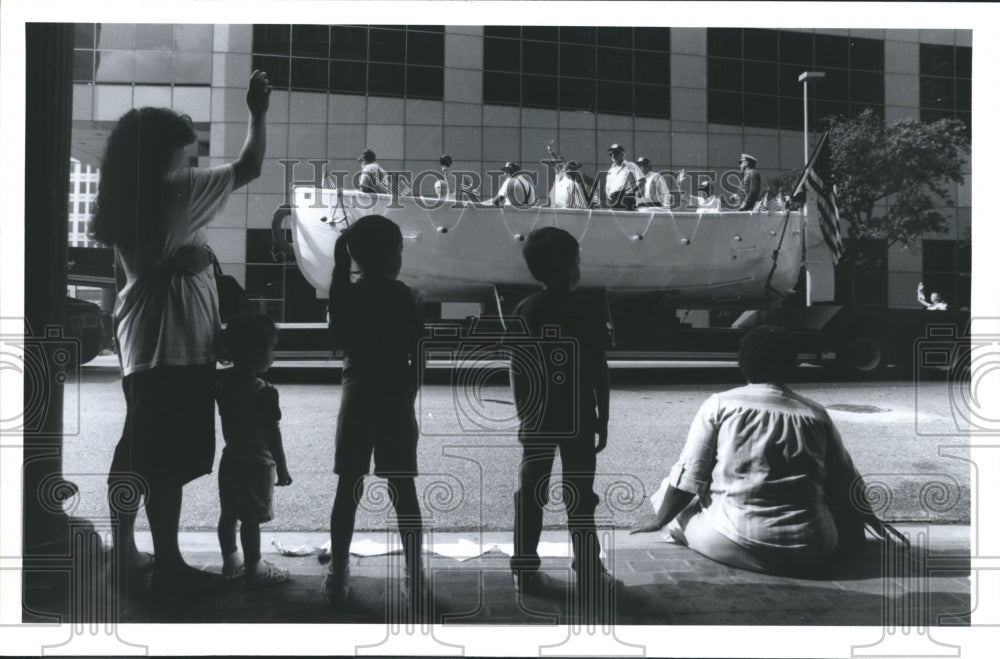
x: 541, y: 33
x: 963, y: 95
x: 788, y: 80
x: 301, y: 305
x: 265, y: 281
x: 653, y: 38
x: 867, y: 87
x: 937, y: 93
x: 795, y: 48
x: 831, y: 108
x: 276, y: 68
x: 725, y: 74
x: 725, y: 42
x: 425, y: 48
x: 832, y: 51
x: 964, y: 250
x: 867, y: 54
x: 652, y: 101
x: 506, y: 31
x: 725, y: 107
x: 436, y: 29
x: 939, y: 256
x: 652, y: 68
x: 937, y: 60
x: 540, y: 57
x: 309, y: 74
x: 386, y: 45
x: 614, y: 97
x: 620, y: 37
x: 386, y: 79
x: 83, y: 66
x: 348, y: 77
x: 502, y: 55
x: 760, y: 77
x: 540, y: 91
x: 791, y: 113
x: 577, y: 61
x: 501, y: 88
x: 614, y: 64
x: 931, y: 115
x: 760, y: 110
x: 760, y: 44
x: 577, y: 94
x: 581, y: 35
x: 425, y: 82
x: 349, y: 42
x: 963, y: 61
x: 259, y: 246
x: 84, y: 35
x: 834, y: 87
x: 311, y: 40
x: 272, y: 39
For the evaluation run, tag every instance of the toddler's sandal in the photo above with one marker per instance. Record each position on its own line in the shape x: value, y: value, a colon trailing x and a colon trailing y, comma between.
x: 267, y: 575
x: 234, y: 573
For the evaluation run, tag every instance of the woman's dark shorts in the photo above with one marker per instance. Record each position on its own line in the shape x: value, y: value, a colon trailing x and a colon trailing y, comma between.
x: 169, y: 433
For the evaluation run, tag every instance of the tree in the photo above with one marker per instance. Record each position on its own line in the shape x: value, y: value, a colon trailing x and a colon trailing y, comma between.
x: 907, y: 165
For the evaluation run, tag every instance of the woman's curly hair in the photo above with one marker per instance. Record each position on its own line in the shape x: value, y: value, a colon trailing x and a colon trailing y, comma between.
x: 131, y: 196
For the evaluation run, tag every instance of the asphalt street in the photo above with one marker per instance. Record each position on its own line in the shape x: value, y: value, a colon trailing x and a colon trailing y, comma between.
x: 898, y: 432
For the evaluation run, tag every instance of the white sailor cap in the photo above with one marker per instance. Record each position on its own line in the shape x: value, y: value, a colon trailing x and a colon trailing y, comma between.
x: 747, y: 156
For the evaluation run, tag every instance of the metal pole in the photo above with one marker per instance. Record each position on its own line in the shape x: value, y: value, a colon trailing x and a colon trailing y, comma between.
x: 805, y: 121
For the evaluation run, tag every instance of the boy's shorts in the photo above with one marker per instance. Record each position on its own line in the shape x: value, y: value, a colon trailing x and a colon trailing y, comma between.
x: 246, y: 488
x: 383, y: 425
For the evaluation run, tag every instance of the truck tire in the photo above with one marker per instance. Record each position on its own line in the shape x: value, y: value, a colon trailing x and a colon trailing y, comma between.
x: 862, y: 355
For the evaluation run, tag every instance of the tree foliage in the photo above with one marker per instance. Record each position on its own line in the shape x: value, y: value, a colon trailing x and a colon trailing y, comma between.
x: 892, y: 180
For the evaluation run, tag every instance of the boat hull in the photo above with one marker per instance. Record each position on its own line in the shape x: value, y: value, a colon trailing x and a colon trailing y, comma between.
x: 457, y: 251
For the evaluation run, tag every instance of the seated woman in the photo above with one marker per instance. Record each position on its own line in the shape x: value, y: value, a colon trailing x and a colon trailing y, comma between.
x: 764, y: 482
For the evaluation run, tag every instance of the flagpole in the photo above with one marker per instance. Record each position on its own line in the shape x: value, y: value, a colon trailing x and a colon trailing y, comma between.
x: 804, y: 78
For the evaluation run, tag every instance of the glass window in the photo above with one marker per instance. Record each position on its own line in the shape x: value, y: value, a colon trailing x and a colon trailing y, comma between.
x: 193, y: 68
x: 868, y: 54
x: 153, y: 67
x: 506, y: 31
x: 501, y: 88
x: 577, y: 61
x: 761, y: 110
x: 311, y: 41
x: 867, y: 87
x: 760, y: 44
x: 501, y: 55
x: 540, y: 91
x: 576, y: 94
x: 424, y: 82
x: 349, y: 77
x: 581, y: 35
x: 834, y: 87
x: 265, y: 281
x: 760, y: 77
x: 788, y: 80
x: 301, y: 305
x: 937, y: 93
x: 791, y: 113
x: 832, y: 51
x: 386, y: 79
x: 652, y: 101
x: 831, y: 109
x: 424, y: 48
x: 614, y: 97
x: 653, y: 38
x: 963, y: 61
x: 348, y: 42
x: 276, y: 67
x: 83, y: 66
x: 795, y: 47
x: 963, y: 95
x: 194, y: 38
x: 84, y: 35
x: 725, y: 107
x: 540, y: 57
x: 725, y: 74
x: 725, y: 42
x: 539, y: 33
x: 151, y: 36
x: 386, y: 45
x: 259, y: 246
x: 272, y: 39
x: 309, y: 74
x: 614, y: 64
x: 619, y: 37
x: 652, y: 68
x: 937, y: 60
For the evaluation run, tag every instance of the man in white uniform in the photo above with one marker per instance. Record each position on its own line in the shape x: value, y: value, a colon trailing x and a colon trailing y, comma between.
x: 568, y: 192
x: 516, y: 189
x: 655, y: 193
x: 372, y: 178
x: 624, y: 179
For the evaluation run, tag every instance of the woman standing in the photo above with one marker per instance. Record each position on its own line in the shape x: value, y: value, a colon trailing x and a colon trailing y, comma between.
x: 152, y: 207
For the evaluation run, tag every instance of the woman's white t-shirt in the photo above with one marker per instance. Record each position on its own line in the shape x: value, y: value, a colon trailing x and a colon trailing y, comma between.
x: 163, y: 318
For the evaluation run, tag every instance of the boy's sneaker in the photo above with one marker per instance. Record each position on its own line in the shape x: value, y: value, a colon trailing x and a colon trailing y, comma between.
x: 531, y: 582
x: 267, y: 575
x: 336, y: 588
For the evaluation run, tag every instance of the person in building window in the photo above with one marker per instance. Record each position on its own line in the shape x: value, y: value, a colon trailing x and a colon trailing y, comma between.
x: 516, y: 189
x: 654, y: 193
x: 936, y: 303
x: 372, y: 178
x: 750, y: 186
x: 624, y: 179
x: 567, y: 191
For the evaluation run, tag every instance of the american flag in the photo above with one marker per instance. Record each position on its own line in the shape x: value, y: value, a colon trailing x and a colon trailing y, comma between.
x: 826, y: 202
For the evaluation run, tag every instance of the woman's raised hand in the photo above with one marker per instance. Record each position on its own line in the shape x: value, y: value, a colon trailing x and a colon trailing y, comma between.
x: 258, y: 93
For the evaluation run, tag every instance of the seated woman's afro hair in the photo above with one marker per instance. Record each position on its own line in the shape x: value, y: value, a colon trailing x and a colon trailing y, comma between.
x: 768, y: 354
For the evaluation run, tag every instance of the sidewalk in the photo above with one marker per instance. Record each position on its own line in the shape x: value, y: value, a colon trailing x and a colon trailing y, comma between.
x: 660, y: 584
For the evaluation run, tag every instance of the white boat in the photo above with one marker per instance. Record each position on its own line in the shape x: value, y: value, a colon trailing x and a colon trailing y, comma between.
x: 457, y: 251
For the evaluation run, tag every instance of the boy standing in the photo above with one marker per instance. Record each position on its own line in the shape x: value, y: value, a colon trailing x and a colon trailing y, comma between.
x: 555, y: 413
